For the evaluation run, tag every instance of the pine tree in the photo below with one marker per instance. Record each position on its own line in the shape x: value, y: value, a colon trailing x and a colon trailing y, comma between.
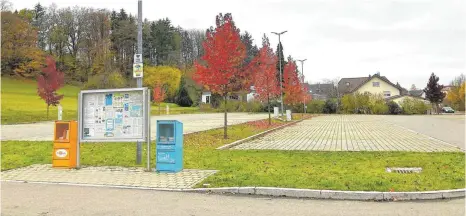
x: 251, y: 49
x: 434, y: 91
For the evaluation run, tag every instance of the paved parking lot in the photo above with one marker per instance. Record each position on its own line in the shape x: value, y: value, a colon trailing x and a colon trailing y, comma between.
x: 350, y: 133
x: 43, y: 131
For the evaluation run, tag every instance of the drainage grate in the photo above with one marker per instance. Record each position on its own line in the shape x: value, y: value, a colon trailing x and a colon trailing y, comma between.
x: 404, y: 169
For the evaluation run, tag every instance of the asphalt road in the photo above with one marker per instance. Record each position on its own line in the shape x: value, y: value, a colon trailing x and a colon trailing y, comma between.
x: 48, y: 200
x: 445, y: 127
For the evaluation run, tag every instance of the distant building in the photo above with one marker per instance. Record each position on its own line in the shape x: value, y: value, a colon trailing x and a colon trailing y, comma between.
x: 207, y: 97
x: 417, y: 93
x: 374, y: 84
x: 322, y: 91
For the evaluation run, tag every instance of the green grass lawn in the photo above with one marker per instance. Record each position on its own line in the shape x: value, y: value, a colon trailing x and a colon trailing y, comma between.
x: 21, y: 104
x: 294, y: 169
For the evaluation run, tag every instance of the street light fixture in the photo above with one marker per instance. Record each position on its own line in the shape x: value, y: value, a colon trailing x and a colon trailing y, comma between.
x: 280, y: 60
x: 302, y: 80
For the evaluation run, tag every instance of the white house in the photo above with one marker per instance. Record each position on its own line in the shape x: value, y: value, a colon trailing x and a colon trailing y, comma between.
x: 206, y: 97
x: 251, y: 95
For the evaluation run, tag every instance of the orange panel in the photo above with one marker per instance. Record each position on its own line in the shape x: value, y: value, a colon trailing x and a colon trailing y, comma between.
x: 61, y: 145
x: 64, y: 153
x: 61, y: 163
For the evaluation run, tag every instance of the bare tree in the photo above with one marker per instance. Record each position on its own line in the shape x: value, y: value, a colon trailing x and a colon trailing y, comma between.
x: 6, y: 5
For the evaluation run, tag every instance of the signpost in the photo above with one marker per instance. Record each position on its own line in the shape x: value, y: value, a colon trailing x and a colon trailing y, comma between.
x: 114, y: 115
x: 137, y: 70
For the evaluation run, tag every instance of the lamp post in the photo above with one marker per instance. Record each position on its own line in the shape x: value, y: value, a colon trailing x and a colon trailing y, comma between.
x: 302, y: 80
x: 280, y: 60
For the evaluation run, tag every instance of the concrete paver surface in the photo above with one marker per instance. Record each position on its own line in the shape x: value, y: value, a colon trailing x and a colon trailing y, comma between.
x: 50, y: 200
x: 112, y: 176
x: 43, y: 131
x: 349, y: 133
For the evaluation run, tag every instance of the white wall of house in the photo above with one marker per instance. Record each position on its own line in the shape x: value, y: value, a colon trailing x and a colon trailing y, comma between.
x: 383, y: 88
x: 250, y: 97
x: 206, y: 97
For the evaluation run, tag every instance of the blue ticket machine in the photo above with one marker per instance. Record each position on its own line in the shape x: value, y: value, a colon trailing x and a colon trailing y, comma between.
x: 169, y: 151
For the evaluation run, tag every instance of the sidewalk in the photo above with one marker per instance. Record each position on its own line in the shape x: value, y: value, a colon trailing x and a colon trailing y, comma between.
x: 108, y: 176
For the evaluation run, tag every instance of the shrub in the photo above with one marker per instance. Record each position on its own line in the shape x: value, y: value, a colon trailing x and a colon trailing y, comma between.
x: 377, y: 104
x: 330, y: 106
x: 256, y: 106
x: 316, y: 106
x: 413, y: 106
x: 241, y: 106
x: 394, y: 108
x: 103, y: 81
x: 183, y: 98
x: 365, y: 103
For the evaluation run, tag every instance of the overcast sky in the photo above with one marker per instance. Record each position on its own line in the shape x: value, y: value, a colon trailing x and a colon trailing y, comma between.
x: 404, y: 40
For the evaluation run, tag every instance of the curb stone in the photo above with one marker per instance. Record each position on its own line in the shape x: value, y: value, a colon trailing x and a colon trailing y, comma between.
x: 294, y: 192
x: 238, y: 142
x: 338, y: 195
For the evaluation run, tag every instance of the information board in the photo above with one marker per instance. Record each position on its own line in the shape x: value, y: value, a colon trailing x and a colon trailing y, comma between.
x: 113, y: 115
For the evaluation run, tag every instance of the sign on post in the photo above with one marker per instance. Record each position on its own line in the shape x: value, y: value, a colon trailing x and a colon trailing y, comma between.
x: 137, y: 70
x: 137, y: 58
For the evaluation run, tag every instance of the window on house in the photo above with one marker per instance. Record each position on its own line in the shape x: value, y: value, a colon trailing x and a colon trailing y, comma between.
x: 375, y: 84
x: 207, y: 99
x: 234, y: 97
x: 386, y: 94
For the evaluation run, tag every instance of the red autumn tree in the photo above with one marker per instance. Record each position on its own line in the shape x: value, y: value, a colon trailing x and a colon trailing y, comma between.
x: 221, y: 67
x: 292, y: 85
x: 263, y: 66
x: 48, y: 83
x: 158, y: 95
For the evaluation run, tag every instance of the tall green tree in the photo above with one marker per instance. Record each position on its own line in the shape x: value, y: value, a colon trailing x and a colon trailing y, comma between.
x: 434, y: 92
x: 39, y: 22
x: 251, y: 48
x: 166, y: 41
x: 280, y: 57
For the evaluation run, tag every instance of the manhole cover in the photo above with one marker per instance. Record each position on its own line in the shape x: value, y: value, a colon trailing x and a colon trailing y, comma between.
x: 403, y: 169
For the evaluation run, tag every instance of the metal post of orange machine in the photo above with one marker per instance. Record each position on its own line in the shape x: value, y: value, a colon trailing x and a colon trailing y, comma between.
x: 65, y: 142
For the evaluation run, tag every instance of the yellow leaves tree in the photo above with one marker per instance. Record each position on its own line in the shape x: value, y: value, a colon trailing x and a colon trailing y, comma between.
x: 456, y: 96
x: 20, y: 54
x: 167, y: 77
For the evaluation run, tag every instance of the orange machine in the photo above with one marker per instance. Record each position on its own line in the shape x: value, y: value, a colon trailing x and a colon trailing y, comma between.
x: 65, y: 144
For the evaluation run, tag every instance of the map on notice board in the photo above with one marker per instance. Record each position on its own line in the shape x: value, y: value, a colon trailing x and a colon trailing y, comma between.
x: 112, y: 115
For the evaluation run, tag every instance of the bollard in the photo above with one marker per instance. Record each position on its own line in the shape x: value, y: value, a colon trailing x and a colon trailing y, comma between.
x: 60, y: 112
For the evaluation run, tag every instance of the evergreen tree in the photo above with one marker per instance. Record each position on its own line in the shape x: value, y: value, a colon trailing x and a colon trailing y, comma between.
x: 434, y: 91
x: 281, y: 58
x: 183, y: 98
x: 251, y: 49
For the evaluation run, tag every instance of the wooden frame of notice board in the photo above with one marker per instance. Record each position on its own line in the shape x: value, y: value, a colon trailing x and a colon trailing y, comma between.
x: 114, y: 115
